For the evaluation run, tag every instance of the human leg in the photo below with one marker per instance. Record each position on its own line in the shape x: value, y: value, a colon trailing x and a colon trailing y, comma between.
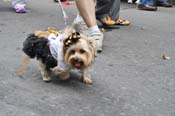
x: 114, y: 14
x: 115, y: 9
x: 103, y: 8
x: 86, y: 9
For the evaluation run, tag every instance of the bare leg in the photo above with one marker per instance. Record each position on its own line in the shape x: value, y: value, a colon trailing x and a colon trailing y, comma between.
x: 87, y: 11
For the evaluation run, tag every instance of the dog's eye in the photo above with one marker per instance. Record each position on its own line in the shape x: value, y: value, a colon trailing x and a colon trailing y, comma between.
x: 72, y: 52
x: 82, y: 51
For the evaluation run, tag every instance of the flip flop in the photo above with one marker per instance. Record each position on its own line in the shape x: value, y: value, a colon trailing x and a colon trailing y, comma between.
x: 107, y: 23
x: 109, y: 27
x: 122, y: 22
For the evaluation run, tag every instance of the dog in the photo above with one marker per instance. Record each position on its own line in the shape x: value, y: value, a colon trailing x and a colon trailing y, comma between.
x: 59, y: 52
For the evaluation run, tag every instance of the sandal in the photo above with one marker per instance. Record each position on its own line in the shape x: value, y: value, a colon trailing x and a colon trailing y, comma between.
x: 122, y: 22
x: 108, y: 23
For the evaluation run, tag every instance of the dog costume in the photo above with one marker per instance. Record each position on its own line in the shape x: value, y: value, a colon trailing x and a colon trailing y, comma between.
x: 49, y: 50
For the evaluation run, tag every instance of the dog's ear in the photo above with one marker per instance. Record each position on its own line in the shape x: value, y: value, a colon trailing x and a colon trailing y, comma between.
x: 91, y: 41
x: 76, y: 26
x: 68, y: 31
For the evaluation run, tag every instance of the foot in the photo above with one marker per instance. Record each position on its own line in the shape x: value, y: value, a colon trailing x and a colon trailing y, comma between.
x: 164, y: 4
x: 87, y: 80
x: 20, y: 8
x: 81, y: 27
x: 98, y: 37
x: 60, y: 0
x: 147, y: 7
x: 122, y: 22
x: 107, y: 21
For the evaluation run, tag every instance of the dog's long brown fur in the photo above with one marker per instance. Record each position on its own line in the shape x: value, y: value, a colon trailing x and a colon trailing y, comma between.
x: 57, y: 70
x: 26, y: 59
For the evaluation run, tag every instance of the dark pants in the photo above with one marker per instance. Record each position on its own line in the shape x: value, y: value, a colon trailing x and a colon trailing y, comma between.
x: 108, y: 8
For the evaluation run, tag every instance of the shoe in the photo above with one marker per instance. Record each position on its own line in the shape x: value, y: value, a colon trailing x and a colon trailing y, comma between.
x: 147, y: 7
x: 20, y: 8
x: 98, y: 37
x: 122, y: 22
x: 107, y: 23
x: 164, y: 4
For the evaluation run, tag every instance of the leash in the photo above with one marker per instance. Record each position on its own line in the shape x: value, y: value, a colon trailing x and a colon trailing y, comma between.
x: 65, y: 17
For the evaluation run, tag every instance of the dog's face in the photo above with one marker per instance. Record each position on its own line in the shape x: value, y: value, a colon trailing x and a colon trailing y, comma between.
x: 81, y: 54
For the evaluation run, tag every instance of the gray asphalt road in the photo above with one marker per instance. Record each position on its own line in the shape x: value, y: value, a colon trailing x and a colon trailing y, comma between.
x: 130, y: 78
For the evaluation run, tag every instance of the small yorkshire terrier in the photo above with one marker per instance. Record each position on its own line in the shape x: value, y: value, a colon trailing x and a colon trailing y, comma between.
x: 59, y: 52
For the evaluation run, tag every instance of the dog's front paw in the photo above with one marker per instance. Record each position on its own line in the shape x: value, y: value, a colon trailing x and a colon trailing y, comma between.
x: 87, y: 80
x: 20, y: 73
x: 64, y: 76
x: 57, y: 70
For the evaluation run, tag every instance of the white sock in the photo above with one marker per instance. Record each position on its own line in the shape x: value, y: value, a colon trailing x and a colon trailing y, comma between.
x: 79, y: 18
x: 129, y: 1
x: 93, y: 29
x: 138, y: 1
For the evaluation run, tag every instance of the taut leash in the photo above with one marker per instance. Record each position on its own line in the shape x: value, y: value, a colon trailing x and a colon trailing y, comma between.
x: 63, y: 13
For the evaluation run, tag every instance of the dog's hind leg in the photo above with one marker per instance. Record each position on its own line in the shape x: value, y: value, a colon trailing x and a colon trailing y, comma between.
x: 44, y: 72
x: 26, y: 61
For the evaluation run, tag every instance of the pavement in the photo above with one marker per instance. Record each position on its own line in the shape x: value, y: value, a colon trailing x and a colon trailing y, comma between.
x: 129, y: 77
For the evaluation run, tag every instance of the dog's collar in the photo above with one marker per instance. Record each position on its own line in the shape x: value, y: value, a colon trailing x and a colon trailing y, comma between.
x: 72, y: 39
